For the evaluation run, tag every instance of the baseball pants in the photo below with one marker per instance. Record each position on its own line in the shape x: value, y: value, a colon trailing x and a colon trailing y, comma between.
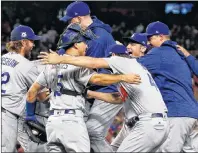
x: 9, y: 131
x: 180, y: 130
x: 100, y: 118
x: 146, y: 135
x: 67, y: 132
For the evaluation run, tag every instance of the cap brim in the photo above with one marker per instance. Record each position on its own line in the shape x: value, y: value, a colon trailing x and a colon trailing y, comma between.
x: 148, y: 35
x: 36, y: 37
x: 128, y: 39
x: 65, y: 18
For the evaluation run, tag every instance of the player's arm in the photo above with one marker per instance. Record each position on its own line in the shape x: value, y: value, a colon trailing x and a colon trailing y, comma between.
x: 33, y: 92
x: 108, y: 79
x: 81, y: 61
x: 113, y: 98
x: 191, y: 60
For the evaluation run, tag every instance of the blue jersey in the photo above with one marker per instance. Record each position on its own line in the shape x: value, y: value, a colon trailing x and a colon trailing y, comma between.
x: 173, y: 77
x: 97, y: 48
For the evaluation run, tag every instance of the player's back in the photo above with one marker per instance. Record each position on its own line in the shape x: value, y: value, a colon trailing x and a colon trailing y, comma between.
x: 145, y: 97
x: 15, y: 83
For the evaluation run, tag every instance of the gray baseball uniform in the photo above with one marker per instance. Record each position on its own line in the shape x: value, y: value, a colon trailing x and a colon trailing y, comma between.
x: 18, y: 74
x: 66, y: 131
x: 42, y: 112
x: 146, y: 101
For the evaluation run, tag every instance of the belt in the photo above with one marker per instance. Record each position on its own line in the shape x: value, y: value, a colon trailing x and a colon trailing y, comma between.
x: 3, y: 110
x: 59, y: 112
x: 6, y: 111
x: 132, y: 121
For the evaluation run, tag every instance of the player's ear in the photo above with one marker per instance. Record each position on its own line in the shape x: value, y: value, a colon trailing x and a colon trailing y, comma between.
x: 76, y: 45
x: 143, y: 49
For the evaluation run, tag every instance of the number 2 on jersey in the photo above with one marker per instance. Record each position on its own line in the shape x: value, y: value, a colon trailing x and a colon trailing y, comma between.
x: 5, y: 77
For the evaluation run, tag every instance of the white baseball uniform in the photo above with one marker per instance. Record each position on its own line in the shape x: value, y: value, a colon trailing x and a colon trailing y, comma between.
x: 66, y: 131
x: 145, y: 101
x: 18, y: 74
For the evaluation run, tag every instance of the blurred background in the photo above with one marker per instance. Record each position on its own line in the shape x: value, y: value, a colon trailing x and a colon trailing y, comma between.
x: 125, y: 18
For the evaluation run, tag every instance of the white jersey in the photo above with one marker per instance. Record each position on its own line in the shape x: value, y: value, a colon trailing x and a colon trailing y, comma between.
x: 143, y: 98
x: 18, y: 74
x: 67, y: 77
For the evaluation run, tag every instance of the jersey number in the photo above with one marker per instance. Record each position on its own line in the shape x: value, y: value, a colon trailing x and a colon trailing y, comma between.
x: 152, y: 82
x: 59, y: 86
x: 5, y: 77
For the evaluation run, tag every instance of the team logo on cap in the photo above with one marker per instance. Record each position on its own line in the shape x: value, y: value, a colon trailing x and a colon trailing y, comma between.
x: 76, y: 13
x: 143, y: 42
x: 157, y: 31
x: 23, y: 34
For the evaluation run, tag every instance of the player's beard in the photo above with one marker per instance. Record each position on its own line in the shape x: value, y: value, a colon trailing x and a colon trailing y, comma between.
x: 28, y: 52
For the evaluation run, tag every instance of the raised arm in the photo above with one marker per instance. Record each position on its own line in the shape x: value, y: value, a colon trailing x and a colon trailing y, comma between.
x: 82, y: 61
x: 108, y: 79
x: 113, y: 98
x: 191, y: 60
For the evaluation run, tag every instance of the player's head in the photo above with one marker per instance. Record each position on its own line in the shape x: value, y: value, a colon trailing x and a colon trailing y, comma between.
x: 22, y: 40
x: 117, y: 50
x: 74, y: 40
x: 157, y: 33
x: 77, y: 12
x: 136, y: 44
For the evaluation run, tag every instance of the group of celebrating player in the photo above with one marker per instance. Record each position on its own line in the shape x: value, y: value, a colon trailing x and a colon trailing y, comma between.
x: 89, y: 79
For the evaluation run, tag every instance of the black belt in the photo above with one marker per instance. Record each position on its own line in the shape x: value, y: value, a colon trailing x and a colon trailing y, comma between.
x: 131, y: 122
x: 4, y: 110
x: 70, y: 92
x: 66, y: 111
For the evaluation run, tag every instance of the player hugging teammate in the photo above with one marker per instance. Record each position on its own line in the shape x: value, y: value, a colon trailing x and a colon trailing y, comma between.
x: 155, y: 90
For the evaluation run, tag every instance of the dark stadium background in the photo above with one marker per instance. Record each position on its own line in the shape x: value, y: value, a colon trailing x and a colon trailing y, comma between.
x: 124, y: 18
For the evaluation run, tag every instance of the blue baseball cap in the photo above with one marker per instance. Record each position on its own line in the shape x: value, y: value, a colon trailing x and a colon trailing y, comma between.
x: 23, y: 32
x: 76, y: 9
x: 139, y: 38
x: 157, y: 28
x: 116, y: 49
x: 74, y: 34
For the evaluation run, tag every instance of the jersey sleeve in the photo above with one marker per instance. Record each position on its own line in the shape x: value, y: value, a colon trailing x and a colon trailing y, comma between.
x: 31, y: 76
x: 193, y: 64
x: 42, y: 78
x: 83, y: 75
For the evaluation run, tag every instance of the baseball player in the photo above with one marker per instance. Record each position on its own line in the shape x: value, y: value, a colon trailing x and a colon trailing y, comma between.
x: 144, y: 107
x: 101, y: 114
x: 18, y: 74
x: 66, y: 129
x: 173, y: 77
x: 136, y: 47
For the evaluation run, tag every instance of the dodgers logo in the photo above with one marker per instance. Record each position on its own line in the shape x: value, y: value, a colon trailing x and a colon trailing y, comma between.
x: 23, y: 34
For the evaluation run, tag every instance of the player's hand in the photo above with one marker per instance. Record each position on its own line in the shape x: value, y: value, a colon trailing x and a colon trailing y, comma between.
x: 132, y: 78
x: 183, y: 50
x: 43, y: 95
x: 49, y: 58
x: 31, y: 118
